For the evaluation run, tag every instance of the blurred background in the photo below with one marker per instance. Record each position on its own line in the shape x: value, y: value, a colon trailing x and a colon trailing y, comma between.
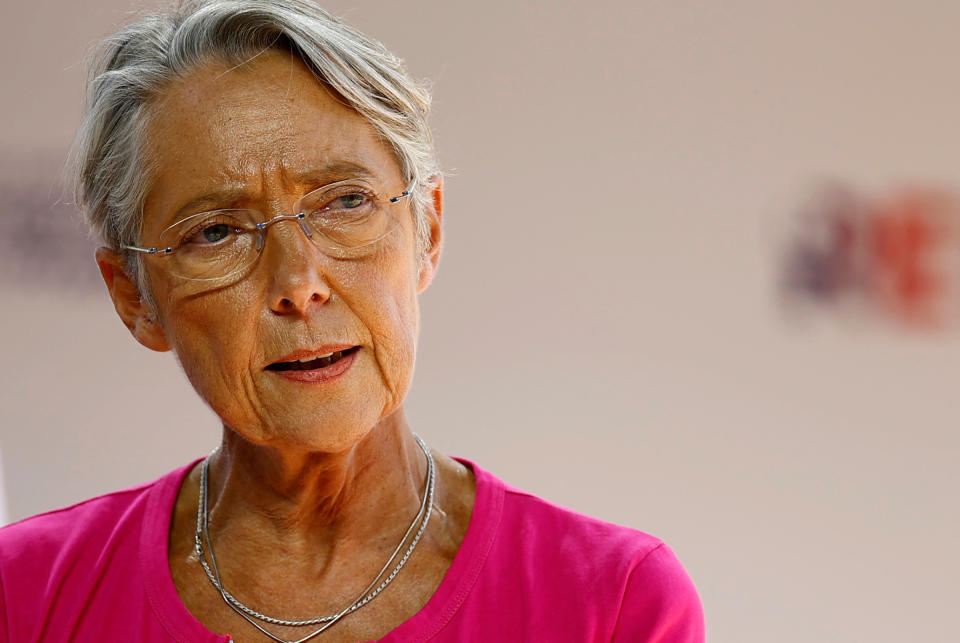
x: 700, y: 278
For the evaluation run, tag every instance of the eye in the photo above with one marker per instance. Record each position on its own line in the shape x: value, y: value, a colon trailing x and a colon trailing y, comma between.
x: 346, y: 206
x: 346, y: 215
x: 210, y: 233
x: 216, y: 232
x: 349, y: 201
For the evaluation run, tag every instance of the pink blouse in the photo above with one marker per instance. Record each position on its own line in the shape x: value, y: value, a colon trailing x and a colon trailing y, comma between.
x: 527, y: 570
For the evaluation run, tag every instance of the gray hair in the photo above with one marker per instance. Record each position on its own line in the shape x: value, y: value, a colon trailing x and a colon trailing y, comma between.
x: 136, y: 64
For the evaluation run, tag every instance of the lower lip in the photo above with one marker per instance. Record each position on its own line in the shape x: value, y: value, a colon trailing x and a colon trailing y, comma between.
x: 318, y: 375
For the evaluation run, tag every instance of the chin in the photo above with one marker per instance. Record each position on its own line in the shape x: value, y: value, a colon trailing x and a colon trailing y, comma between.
x: 324, y: 432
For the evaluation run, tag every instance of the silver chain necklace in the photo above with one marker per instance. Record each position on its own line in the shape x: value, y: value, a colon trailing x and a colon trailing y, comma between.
x: 202, y: 536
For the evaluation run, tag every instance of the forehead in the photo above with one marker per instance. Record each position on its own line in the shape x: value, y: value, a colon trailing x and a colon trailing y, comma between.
x: 267, y: 125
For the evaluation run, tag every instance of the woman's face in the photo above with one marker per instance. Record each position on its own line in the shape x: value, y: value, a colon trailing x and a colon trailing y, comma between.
x: 259, y: 137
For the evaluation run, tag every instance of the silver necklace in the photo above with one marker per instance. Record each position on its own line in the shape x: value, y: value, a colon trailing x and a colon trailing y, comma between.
x: 202, y: 536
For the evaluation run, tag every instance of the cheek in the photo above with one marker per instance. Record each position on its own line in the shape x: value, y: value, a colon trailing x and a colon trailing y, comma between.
x: 382, y: 292
x: 213, y: 336
x: 395, y: 345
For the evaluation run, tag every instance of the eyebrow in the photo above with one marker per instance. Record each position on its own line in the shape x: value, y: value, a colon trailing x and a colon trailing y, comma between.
x: 330, y: 173
x: 333, y: 172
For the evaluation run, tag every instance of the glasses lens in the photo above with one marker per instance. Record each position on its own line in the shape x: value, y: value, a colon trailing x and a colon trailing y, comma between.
x: 212, y: 245
x: 347, y: 215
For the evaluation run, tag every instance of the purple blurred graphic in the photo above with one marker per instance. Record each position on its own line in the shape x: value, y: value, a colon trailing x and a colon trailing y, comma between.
x: 43, y: 242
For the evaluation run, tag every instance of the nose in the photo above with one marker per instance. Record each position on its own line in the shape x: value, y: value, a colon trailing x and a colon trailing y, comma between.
x: 294, y: 265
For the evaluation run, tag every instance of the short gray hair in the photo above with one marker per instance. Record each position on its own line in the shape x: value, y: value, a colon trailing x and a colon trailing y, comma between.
x: 136, y: 64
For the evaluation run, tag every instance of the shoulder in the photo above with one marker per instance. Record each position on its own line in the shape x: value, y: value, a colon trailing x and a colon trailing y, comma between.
x: 98, y: 518
x: 559, y: 531
x: 660, y: 602
x: 51, y: 555
x: 69, y: 527
x: 630, y: 580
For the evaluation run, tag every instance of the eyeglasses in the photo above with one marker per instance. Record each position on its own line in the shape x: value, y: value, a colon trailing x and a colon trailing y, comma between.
x: 342, y: 218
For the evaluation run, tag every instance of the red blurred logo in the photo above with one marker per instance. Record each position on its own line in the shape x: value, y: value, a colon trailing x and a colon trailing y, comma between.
x: 897, y: 258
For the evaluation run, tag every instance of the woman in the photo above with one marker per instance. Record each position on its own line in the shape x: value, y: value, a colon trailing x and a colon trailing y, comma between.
x: 265, y: 186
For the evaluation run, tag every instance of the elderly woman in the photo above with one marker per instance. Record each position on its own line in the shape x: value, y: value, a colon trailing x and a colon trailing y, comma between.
x: 265, y: 186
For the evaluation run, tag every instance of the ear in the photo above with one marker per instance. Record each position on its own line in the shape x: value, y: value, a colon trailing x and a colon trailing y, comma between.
x: 431, y: 257
x: 131, y: 307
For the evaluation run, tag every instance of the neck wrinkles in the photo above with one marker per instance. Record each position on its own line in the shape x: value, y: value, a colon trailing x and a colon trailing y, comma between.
x: 317, y: 501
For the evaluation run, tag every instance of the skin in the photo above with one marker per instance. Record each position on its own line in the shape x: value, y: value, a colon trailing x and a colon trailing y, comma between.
x: 314, y: 484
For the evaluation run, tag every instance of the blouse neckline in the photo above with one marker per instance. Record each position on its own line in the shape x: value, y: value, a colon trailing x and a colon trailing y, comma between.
x: 459, y: 579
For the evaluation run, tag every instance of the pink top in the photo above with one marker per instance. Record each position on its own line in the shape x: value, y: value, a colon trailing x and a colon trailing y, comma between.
x: 527, y: 570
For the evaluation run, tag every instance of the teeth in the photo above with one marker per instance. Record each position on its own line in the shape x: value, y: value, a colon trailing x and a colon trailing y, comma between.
x: 310, y: 359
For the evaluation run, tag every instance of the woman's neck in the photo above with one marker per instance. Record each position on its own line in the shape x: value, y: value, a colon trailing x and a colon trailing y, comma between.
x: 315, y: 502
x: 299, y: 536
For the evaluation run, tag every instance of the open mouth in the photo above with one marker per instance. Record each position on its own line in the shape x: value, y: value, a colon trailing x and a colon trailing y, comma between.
x: 313, y: 363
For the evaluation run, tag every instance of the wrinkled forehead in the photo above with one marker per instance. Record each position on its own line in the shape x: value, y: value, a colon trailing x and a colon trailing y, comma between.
x: 264, y: 128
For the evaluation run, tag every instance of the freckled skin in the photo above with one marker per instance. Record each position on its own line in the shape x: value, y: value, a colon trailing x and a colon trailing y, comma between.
x: 217, y: 129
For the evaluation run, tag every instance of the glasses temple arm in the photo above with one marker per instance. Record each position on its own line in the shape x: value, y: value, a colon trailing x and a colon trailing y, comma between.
x: 149, y: 251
